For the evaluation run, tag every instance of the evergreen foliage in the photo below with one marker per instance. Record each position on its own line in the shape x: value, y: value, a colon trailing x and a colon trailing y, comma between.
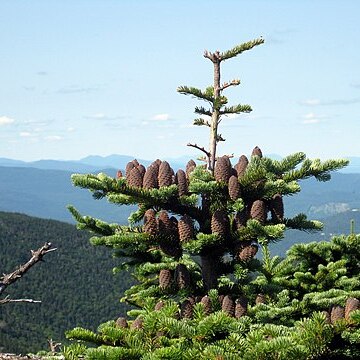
x: 191, y: 246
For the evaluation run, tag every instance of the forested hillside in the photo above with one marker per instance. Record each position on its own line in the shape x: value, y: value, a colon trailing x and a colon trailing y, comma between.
x: 75, y: 283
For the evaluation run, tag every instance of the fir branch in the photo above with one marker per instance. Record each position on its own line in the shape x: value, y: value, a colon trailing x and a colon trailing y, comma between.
x: 201, y: 122
x: 300, y: 222
x: 203, y: 95
x: 241, y: 48
x: 235, y: 109
x: 202, y: 111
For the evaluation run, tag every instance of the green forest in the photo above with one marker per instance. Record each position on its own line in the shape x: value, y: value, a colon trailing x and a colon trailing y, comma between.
x: 71, y: 282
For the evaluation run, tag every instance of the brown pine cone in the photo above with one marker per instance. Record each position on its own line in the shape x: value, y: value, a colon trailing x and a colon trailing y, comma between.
x: 130, y: 165
x: 351, y: 304
x: 248, y: 251
x: 234, y: 188
x: 221, y: 299
x: 150, y: 223
x: 186, y: 228
x: 182, y: 276
x: 220, y: 223
x: 260, y: 299
x: 150, y: 180
x: 165, y: 174
x: 181, y: 181
x: 228, y: 305
x: 240, y: 218
x: 241, y: 307
x: 223, y: 170
x: 119, y: 174
x: 159, y: 305
x: 141, y: 169
x: 187, y: 309
x: 257, y: 152
x: 241, y: 166
x: 206, y: 301
x: 337, y: 313
x: 327, y: 317
x: 169, y: 238
x: 165, y: 279
x: 137, y: 324
x: 277, y: 208
x: 135, y: 162
x: 258, y: 211
x: 190, y: 166
x: 121, y: 323
x: 134, y: 179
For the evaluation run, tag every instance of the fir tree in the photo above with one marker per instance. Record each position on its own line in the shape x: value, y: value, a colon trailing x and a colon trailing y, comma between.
x: 192, y: 244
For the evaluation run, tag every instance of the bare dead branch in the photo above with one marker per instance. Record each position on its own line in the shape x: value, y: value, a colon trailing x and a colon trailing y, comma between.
x: 199, y: 148
x: 225, y: 85
x: 8, y: 279
x: 8, y: 300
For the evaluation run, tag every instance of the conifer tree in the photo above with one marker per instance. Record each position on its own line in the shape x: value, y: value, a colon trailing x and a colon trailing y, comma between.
x: 192, y: 244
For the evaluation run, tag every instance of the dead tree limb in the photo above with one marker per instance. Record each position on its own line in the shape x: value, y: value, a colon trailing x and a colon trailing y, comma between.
x: 8, y: 279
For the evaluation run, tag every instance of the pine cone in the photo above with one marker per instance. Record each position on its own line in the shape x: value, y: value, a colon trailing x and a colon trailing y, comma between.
x: 241, y: 307
x: 190, y: 166
x: 138, y: 323
x: 130, y: 165
x: 150, y: 180
x: 234, y: 188
x: 169, y: 237
x: 257, y: 152
x: 187, y: 309
x: 141, y: 169
x: 119, y: 174
x: 182, y: 276
x: 351, y: 304
x: 223, y: 169
x: 260, y: 299
x: 277, y: 208
x: 159, y: 305
x: 228, y: 305
x: 220, y: 223
x: 134, y: 179
x: 165, y: 174
x: 241, y: 166
x: 121, y: 323
x: 258, y: 211
x: 241, y: 217
x: 150, y: 223
x: 337, y: 313
x: 165, y: 279
x: 181, y: 181
x: 221, y: 299
x: 248, y: 251
x: 206, y: 301
x: 135, y: 162
x: 327, y: 317
x: 186, y: 228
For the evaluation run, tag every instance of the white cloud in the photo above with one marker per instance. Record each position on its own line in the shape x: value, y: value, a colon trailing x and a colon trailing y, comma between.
x: 311, y: 102
x: 26, y: 134
x: 70, y: 129
x: 312, y: 118
x: 161, y: 117
x: 53, y: 138
x: 5, y: 120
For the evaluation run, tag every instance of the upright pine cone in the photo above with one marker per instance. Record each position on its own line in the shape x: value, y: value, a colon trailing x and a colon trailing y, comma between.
x: 337, y: 313
x: 119, y: 174
x: 277, y: 208
x: 257, y: 152
x: 260, y: 299
x: 222, y: 171
x: 181, y: 182
x: 234, y: 188
x: 165, y: 279
x: 165, y: 174
x: 135, y: 162
x: 228, y: 305
x: 121, y: 323
x: 182, y: 276
x: 134, y: 179
x: 240, y: 218
x: 137, y: 324
x: 150, y: 180
x: 141, y: 169
x: 258, y: 211
x: 327, y: 317
x: 190, y: 166
x: 241, y: 166
x: 220, y: 223
x: 169, y: 237
x: 186, y: 228
x: 159, y: 305
x: 351, y: 304
x: 150, y: 223
x: 187, y: 309
x: 206, y: 301
x: 241, y: 307
x: 248, y: 251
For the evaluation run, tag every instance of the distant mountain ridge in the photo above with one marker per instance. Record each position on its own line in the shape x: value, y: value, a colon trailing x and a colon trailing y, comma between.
x: 94, y: 163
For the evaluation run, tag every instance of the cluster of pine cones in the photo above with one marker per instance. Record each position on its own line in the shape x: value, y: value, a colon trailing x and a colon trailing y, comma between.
x: 337, y: 312
x: 180, y: 278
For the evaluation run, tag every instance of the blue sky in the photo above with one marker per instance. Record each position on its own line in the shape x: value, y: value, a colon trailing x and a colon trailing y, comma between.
x: 100, y: 77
